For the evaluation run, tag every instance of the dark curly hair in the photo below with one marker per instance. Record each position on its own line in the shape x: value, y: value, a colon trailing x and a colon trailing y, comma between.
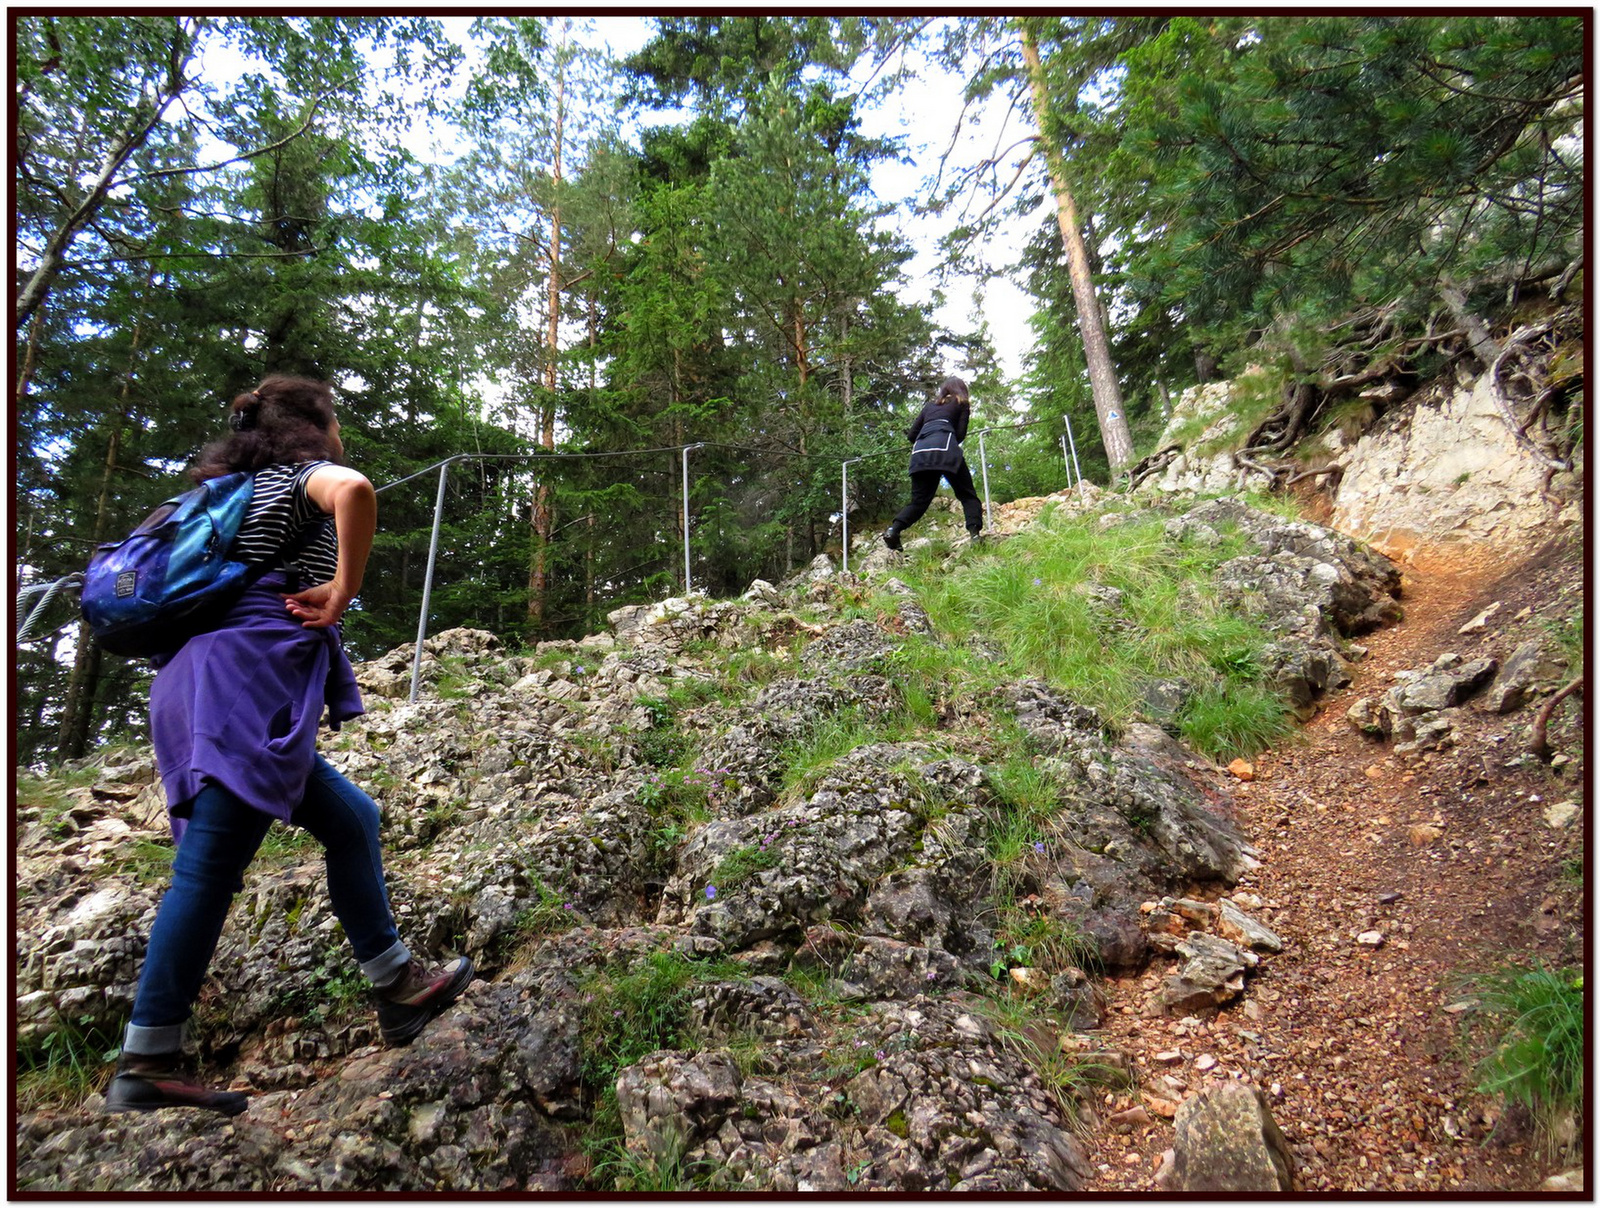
x: 282, y: 421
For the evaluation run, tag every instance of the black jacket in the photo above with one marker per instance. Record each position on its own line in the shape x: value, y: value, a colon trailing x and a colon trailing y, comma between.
x: 936, y: 437
x: 957, y: 413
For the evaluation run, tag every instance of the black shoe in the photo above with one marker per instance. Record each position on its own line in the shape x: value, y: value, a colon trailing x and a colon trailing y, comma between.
x: 891, y: 538
x: 147, y: 1083
x: 407, y: 1004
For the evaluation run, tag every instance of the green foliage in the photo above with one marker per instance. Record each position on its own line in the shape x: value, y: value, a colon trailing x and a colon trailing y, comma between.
x: 63, y: 1068
x: 1567, y: 630
x: 284, y: 843
x: 1028, y: 938
x: 1534, y: 1030
x: 1333, y: 161
x: 1100, y: 611
x: 148, y: 860
x: 1231, y: 719
x: 1068, y: 1080
x: 742, y: 863
x: 807, y: 759
x: 628, y: 1014
x: 633, y: 1013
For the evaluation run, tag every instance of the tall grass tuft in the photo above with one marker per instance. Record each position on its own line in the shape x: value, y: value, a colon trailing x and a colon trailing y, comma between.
x: 1536, y: 1056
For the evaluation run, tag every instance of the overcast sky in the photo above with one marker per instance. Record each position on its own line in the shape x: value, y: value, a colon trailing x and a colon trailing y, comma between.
x: 923, y: 114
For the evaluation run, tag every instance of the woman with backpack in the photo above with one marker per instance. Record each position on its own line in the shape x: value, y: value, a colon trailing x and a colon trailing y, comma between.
x: 936, y: 437
x: 234, y: 713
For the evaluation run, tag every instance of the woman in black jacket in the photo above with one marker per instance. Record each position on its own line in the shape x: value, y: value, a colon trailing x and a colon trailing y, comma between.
x: 936, y: 438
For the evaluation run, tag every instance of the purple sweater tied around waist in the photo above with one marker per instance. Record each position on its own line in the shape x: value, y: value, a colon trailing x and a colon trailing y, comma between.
x: 240, y: 706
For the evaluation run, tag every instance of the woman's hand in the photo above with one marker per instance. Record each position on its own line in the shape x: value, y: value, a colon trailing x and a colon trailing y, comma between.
x: 320, y: 606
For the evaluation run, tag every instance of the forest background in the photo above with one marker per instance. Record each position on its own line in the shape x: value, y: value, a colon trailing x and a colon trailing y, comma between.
x: 682, y: 247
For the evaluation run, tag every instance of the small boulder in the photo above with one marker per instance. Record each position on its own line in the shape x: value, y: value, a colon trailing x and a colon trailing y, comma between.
x: 1225, y: 1140
x: 1530, y: 666
x: 1212, y: 974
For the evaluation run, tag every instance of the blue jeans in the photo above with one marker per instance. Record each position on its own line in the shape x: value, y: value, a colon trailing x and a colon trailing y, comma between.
x: 220, y: 841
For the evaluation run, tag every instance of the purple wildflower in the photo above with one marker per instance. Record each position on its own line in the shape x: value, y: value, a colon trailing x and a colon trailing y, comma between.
x: 1038, y: 582
x: 711, y: 892
x: 1039, y: 847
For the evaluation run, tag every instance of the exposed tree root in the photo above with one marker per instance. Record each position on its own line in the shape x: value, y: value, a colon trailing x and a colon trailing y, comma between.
x: 1538, y: 744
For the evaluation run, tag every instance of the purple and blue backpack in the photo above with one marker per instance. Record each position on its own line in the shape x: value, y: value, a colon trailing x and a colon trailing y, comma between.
x: 171, y: 577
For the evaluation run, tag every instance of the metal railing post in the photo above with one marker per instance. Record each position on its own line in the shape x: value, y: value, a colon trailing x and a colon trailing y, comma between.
x: 844, y: 507
x: 687, y: 585
x: 844, y: 515
x: 983, y: 459
x: 1066, y: 462
x: 1067, y: 419
x: 427, y: 581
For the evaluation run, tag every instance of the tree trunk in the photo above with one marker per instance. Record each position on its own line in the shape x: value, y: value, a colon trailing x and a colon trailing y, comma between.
x: 77, y: 717
x: 1166, y: 400
x: 77, y: 714
x: 543, y: 508
x: 1114, y: 432
x: 30, y: 356
x: 846, y: 369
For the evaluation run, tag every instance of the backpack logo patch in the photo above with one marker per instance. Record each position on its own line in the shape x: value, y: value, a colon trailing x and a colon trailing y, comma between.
x: 127, y: 582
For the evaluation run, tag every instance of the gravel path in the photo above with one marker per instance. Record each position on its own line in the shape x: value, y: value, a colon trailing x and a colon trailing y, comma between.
x: 1446, y: 856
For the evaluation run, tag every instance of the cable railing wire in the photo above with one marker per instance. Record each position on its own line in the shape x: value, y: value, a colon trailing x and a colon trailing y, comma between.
x: 49, y: 592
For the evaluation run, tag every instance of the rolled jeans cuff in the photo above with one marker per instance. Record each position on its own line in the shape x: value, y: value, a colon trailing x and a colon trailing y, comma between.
x: 386, y: 966
x: 141, y: 1041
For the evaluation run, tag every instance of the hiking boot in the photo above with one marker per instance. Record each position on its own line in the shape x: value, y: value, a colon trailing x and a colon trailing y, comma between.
x: 891, y: 538
x: 149, y: 1082
x: 406, y: 1004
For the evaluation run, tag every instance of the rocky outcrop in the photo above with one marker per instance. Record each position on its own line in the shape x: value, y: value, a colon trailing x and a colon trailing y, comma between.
x: 1315, y: 588
x: 783, y: 974
x: 1445, y: 480
x: 1439, y: 478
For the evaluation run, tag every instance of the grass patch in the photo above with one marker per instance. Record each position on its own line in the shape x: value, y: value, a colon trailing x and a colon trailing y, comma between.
x: 1568, y: 634
x: 1230, y: 719
x: 626, y: 1016
x: 1532, y: 1020
x: 1029, y: 939
x: 1069, y: 1081
x: 65, y: 1067
x: 284, y: 843
x: 741, y: 864
x: 1100, y: 612
x: 807, y: 759
x: 149, y: 861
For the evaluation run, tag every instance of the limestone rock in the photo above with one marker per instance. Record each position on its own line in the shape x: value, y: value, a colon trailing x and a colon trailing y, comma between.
x: 1225, y: 1140
x: 1447, y: 683
x: 1212, y: 974
x: 1445, y: 477
x: 1532, y: 665
x: 1236, y: 925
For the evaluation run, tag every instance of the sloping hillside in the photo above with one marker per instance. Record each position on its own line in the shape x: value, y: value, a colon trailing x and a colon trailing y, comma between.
x: 796, y: 891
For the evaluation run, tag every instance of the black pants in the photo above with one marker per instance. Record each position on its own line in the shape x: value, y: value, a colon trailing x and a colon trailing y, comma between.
x: 925, y: 484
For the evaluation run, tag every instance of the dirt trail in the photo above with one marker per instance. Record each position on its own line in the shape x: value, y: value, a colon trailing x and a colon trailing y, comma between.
x: 1357, y: 1047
